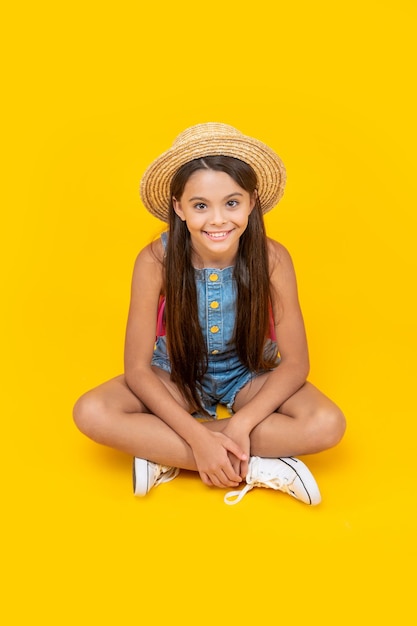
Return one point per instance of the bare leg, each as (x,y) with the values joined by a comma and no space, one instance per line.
(306,423)
(112,415)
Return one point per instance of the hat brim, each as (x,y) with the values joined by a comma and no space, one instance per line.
(269,169)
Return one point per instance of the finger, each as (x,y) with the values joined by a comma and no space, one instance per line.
(236,464)
(222,478)
(232,474)
(216,481)
(235,449)
(211,479)
(227,482)
(206,479)
(244,466)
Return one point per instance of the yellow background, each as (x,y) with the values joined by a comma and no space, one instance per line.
(92,93)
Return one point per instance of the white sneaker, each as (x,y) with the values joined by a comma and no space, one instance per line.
(288,474)
(147,475)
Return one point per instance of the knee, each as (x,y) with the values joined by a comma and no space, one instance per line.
(88,413)
(330,426)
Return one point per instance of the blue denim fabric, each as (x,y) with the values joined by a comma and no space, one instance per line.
(226,375)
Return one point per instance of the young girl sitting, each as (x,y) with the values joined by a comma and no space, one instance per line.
(222,300)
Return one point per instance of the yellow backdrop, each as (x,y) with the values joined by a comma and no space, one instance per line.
(93,91)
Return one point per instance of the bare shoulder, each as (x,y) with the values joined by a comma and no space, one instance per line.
(279,258)
(149,265)
(283,282)
(152,254)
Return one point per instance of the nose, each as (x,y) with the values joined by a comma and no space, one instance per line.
(217,217)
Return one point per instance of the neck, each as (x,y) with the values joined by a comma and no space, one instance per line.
(219,261)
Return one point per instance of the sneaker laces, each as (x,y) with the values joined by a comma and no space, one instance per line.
(263,479)
(166,473)
(233,497)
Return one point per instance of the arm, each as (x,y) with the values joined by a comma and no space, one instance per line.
(293,369)
(210,449)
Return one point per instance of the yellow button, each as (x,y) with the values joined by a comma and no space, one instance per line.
(214,277)
(214,329)
(214,305)
(215,352)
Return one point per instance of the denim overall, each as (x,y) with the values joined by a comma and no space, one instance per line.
(226,375)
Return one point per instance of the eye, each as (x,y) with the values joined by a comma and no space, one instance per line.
(200,206)
(232,203)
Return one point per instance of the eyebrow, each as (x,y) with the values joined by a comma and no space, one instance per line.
(230,195)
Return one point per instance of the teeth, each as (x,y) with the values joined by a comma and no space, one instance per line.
(215,235)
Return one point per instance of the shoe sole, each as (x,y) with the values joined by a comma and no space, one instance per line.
(306,479)
(140,476)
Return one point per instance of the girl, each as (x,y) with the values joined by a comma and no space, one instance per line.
(223,299)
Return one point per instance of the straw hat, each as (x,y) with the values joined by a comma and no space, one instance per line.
(212,139)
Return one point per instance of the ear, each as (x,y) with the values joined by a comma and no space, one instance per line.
(177,208)
(253,199)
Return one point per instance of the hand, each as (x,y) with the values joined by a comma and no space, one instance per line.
(212,454)
(241,436)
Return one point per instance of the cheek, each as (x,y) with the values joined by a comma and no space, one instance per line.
(247,214)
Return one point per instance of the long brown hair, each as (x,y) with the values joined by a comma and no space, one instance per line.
(186,345)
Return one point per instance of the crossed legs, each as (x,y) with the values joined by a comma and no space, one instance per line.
(112,415)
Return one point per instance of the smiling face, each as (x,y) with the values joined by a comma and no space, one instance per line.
(216,210)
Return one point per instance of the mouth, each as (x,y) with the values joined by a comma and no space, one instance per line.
(217,235)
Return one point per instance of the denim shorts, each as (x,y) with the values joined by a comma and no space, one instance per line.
(225,377)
